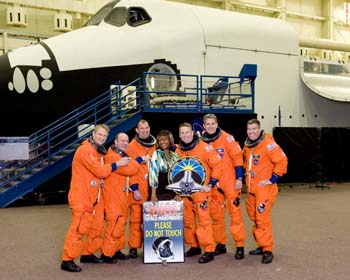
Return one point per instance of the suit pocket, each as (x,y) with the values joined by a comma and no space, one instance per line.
(85,223)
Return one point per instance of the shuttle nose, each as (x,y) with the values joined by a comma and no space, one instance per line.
(27,84)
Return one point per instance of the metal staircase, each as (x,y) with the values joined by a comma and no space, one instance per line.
(52,148)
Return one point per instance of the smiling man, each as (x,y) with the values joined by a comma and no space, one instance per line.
(264,163)
(143,145)
(196,206)
(227,193)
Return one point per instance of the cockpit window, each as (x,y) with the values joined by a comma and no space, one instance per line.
(117,16)
(102,13)
(138,16)
(134,16)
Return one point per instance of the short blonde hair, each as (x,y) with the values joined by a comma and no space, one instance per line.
(104,126)
(185,124)
(210,116)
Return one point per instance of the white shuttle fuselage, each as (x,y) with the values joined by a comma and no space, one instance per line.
(45,81)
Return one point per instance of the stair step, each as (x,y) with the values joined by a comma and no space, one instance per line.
(13,183)
(11,171)
(35,170)
(43,164)
(25,176)
(20,169)
(56,158)
(116,122)
(68,151)
(8,171)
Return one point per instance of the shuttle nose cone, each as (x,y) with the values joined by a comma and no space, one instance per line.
(26,86)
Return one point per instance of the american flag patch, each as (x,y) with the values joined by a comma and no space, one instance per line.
(230,139)
(271,146)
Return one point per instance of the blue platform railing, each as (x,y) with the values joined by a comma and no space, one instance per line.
(198,93)
(51,149)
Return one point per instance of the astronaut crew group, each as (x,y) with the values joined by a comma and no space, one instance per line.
(108,188)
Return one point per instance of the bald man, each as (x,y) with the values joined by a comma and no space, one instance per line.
(116,200)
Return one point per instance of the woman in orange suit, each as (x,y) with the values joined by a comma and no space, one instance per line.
(86,201)
(264,163)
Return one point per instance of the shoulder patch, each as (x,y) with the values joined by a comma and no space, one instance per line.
(230,139)
(271,146)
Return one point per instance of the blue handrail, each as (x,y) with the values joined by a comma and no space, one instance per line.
(52,140)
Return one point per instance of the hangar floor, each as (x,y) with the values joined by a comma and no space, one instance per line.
(311,230)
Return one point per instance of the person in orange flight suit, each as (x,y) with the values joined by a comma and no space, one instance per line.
(115,195)
(86,200)
(143,144)
(227,192)
(264,163)
(197,205)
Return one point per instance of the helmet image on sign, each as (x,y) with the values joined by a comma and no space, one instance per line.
(186,176)
(163,246)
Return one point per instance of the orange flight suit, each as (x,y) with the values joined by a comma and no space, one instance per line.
(136,149)
(231,154)
(200,235)
(86,202)
(115,193)
(265,160)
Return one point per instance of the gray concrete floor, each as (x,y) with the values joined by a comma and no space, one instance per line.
(311,228)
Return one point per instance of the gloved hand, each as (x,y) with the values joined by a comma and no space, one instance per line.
(206,188)
(137,195)
(123,161)
(177,198)
(154,198)
(238,184)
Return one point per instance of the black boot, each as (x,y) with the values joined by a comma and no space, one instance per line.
(70,266)
(133,253)
(257,251)
(110,260)
(120,256)
(193,251)
(267,257)
(239,253)
(90,259)
(206,257)
(220,249)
